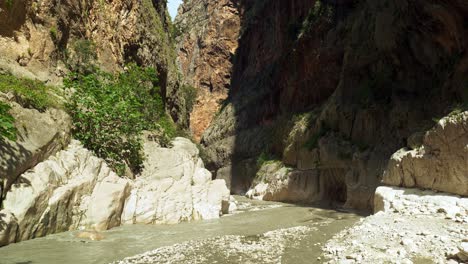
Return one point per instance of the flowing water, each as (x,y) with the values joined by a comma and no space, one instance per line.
(260,232)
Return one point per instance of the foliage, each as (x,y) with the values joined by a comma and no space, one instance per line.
(176,31)
(7,126)
(81,57)
(9,4)
(110,111)
(190,96)
(265,157)
(312,142)
(53,33)
(31,93)
(320,11)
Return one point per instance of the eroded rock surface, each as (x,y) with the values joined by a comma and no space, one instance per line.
(173,187)
(209,32)
(76,190)
(39,135)
(439,163)
(345,64)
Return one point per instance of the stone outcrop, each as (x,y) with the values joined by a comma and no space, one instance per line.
(275,182)
(73,190)
(367,74)
(440,162)
(46,39)
(39,135)
(173,187)
(208,38)
(70,190)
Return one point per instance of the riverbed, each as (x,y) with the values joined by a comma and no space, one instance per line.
(260,232)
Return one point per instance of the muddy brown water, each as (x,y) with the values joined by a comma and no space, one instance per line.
(253,220)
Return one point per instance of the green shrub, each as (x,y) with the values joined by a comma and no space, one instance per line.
(7,126)
(9,4)
(81,57)
(53,33)
(312,142)
(265,157)
(110,112)
(31,93)
(320,12)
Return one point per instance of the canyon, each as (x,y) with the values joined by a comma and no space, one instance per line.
(308,131)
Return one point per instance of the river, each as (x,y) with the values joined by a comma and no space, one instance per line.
(260,232)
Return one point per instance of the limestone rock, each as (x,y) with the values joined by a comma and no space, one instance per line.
(463,252)
(53,196)
(8,228)
(408,201)
(40,135)
(206,46)
(106,203)
(275,182)
(441,163)
(174,187)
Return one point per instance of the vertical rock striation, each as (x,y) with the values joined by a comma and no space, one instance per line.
(207,40)
(338,87)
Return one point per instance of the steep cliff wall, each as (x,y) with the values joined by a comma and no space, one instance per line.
(208,37)
(336,87)
(42,39)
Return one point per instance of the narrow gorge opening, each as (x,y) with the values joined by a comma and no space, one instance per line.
(333,187)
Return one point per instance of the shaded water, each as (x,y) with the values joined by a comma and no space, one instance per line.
(261,232)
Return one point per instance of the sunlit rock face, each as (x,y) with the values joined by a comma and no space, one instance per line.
(207,40)
(74,190)
(338,87)
(439,163)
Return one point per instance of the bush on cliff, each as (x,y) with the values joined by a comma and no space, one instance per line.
(29,93)
(7,126)
(110,111)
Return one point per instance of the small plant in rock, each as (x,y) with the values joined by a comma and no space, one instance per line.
(7,123)
(9,4)
(53,33)
(81,57)
(264,158)
(110,111)
(312,142)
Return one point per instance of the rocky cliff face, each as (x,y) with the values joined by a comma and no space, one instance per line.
(208,39)
(44,39)
(336,87)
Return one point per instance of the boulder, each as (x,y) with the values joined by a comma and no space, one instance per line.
(71,190)
(441,163)
(275,182)
(40,135)
(174,186)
